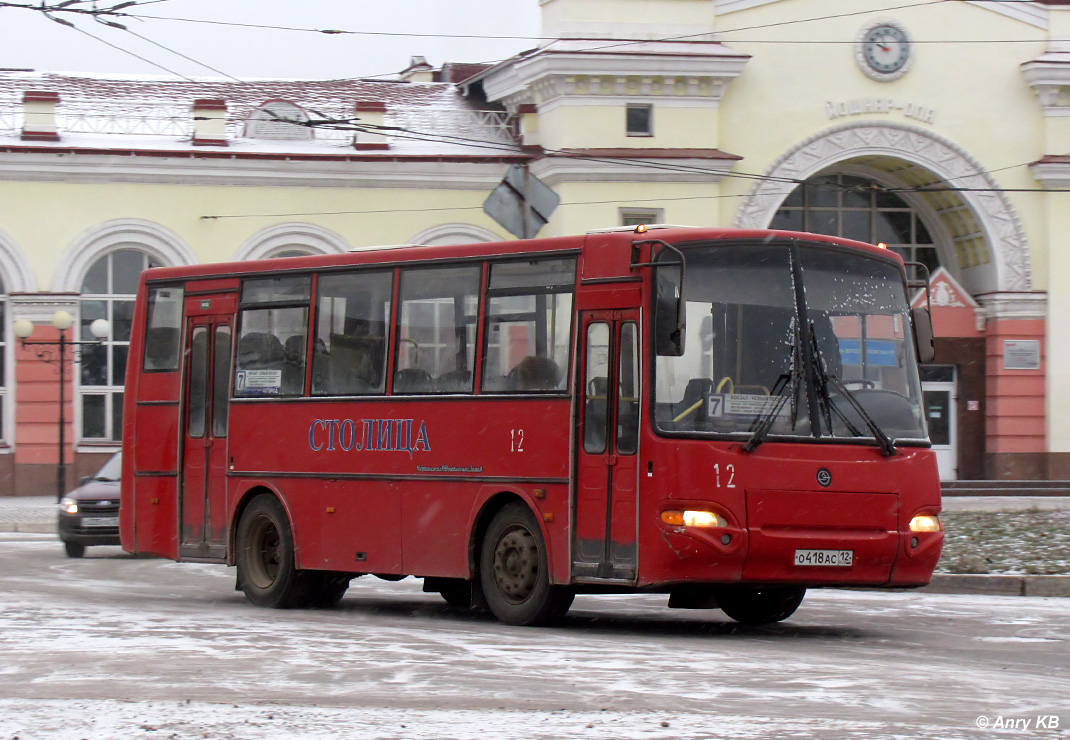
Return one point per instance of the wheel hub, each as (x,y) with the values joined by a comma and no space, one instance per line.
(516,565)
(264,545)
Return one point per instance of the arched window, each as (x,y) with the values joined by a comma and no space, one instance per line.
(3,364)
(858,208)
(279,120)
(108,291)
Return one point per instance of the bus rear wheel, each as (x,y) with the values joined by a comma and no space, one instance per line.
(514,572)
(265,555)
(760,604)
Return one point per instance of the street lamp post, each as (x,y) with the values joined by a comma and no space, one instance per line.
(55,353)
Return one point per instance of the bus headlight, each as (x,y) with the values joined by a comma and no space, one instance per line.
(926,523)
(692,518)
(68,505)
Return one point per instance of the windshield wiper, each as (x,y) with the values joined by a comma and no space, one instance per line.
(823,380)
(883,440)
(788,380)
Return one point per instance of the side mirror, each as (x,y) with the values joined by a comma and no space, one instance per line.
(923,334)
(669,328)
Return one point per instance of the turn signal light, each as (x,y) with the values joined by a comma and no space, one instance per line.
(693,519)
(926,523)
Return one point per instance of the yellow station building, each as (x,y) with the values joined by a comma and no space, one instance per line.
(940,129)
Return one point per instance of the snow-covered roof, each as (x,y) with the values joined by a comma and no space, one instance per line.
(431,118)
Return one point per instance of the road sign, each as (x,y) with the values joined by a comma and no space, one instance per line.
(506,202)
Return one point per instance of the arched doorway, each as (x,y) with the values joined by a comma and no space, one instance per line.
(845,202)
(927,198)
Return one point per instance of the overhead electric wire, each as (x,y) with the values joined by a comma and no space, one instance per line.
(180,54)
(131,53)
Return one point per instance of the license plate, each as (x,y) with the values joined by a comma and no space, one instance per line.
(837,558)
(100,521)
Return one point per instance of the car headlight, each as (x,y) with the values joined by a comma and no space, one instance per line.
(68,505)
(926,523)
(693,518)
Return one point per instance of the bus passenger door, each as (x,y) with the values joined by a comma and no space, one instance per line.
(204,454)
(604,538)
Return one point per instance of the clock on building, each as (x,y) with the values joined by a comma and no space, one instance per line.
(884,50)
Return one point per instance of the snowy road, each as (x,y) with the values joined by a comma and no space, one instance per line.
(119,647)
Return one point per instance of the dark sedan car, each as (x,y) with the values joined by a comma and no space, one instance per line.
(89,515)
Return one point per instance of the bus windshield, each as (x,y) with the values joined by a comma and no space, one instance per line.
(792,340)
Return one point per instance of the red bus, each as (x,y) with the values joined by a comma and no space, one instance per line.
(727,417)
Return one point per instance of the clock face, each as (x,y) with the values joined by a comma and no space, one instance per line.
(884,51)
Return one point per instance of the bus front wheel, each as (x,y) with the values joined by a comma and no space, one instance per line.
(514,572)
(265,555)
(760,604)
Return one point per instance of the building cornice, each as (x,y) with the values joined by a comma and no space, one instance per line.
(614,165)
(1014,305)
(643,71)
(1049,76)
(221,169)
(1052,171)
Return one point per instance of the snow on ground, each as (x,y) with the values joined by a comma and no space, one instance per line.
(114,646)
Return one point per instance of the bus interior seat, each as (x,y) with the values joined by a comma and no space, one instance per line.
(412,380)
(260,351)
(692,407)
(293,369)
(535,373)
(352,365)
(455,381)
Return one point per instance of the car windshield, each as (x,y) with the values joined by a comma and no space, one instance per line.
(112,470)
(769,325)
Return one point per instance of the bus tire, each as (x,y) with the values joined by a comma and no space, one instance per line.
(457,593)
(265,557)
(326,588)
(514,573)
(760,604)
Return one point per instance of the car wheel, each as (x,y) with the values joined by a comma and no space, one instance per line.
(74,549)
(514,571)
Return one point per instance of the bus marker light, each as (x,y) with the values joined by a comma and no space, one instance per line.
(926,523)
(693,519)
(539,493)
(330,509)
(547,516)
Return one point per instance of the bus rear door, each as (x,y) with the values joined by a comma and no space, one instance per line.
(209,337)
(604,540)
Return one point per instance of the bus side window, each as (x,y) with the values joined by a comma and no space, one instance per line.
(272,340)
(163,335)
(596,389)
(436,343)
(529,323)
(628,396)
(352,314)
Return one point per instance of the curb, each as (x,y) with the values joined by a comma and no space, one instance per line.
(28,527)
(942,583)
(998,585)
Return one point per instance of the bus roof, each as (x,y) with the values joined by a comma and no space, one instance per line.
(396,254)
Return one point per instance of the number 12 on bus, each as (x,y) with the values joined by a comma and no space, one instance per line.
(726,417)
